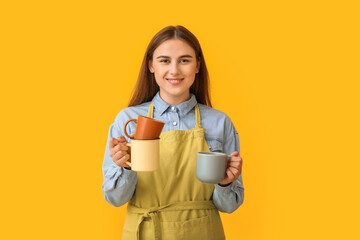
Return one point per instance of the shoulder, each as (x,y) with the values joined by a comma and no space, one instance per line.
(213,114)
(218,124)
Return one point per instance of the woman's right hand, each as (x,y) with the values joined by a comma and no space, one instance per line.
(119,152)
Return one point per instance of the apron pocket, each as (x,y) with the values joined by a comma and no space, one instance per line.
(207,228)
(195,228)
(197,224)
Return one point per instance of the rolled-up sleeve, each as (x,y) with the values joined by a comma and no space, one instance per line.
(229,198)
(119,183)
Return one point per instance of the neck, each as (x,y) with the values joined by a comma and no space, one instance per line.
(174,100)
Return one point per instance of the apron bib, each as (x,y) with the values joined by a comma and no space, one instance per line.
(171,203)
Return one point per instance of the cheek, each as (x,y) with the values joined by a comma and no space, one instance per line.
(159,77)
(191,75)
(191,70)
(159,71)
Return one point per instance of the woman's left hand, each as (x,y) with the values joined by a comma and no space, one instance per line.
(233,170)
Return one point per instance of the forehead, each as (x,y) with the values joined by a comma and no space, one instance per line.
(174,47)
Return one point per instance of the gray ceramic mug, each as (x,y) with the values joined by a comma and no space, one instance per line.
(211,166)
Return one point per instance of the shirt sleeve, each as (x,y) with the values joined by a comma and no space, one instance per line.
(119,183)
(228,199)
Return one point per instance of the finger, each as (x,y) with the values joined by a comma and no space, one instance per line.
(117,148)
(117,156)
(235,172)
(235,163)
(236,159)
(112,142)
(114,150)
(229,174)
(122,139)
(123,147)
(121,161)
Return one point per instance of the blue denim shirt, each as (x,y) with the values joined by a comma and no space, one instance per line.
(119,183)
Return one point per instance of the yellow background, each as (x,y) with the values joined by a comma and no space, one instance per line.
(286,72)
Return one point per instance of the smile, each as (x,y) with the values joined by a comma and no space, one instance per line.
(174,81)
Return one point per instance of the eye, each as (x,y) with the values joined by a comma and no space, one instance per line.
(164,60)
(184,60)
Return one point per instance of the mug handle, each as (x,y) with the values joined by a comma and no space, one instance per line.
(129,145)
(132,136)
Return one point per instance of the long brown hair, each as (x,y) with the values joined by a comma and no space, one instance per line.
(146,86)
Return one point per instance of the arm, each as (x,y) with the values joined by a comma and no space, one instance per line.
(228,198)
(119,183)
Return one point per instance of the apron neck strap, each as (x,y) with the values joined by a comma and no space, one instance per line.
(197,114)
(151,111)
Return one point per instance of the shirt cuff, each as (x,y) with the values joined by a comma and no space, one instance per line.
(115,172)
(224,190)
(126,172)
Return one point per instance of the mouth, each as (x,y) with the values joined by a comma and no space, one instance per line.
(174,81)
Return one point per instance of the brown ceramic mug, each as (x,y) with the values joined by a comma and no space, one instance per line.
(146,128)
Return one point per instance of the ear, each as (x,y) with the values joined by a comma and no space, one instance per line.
(198,65)
(151,69)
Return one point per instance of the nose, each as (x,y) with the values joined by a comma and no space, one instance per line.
(174,69)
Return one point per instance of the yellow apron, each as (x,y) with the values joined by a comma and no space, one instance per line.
(171,203)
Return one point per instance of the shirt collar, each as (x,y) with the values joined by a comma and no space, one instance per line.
(161,106)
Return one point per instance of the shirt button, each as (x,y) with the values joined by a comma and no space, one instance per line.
(173,108)
(174,123)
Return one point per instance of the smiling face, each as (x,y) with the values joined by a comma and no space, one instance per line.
(174,65)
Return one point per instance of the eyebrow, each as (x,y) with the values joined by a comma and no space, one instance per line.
(182,56)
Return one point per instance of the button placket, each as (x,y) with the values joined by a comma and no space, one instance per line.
(175,120)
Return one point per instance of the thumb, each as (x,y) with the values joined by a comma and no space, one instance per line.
(236,153)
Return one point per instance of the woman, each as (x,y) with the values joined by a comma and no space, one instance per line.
(171,203)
